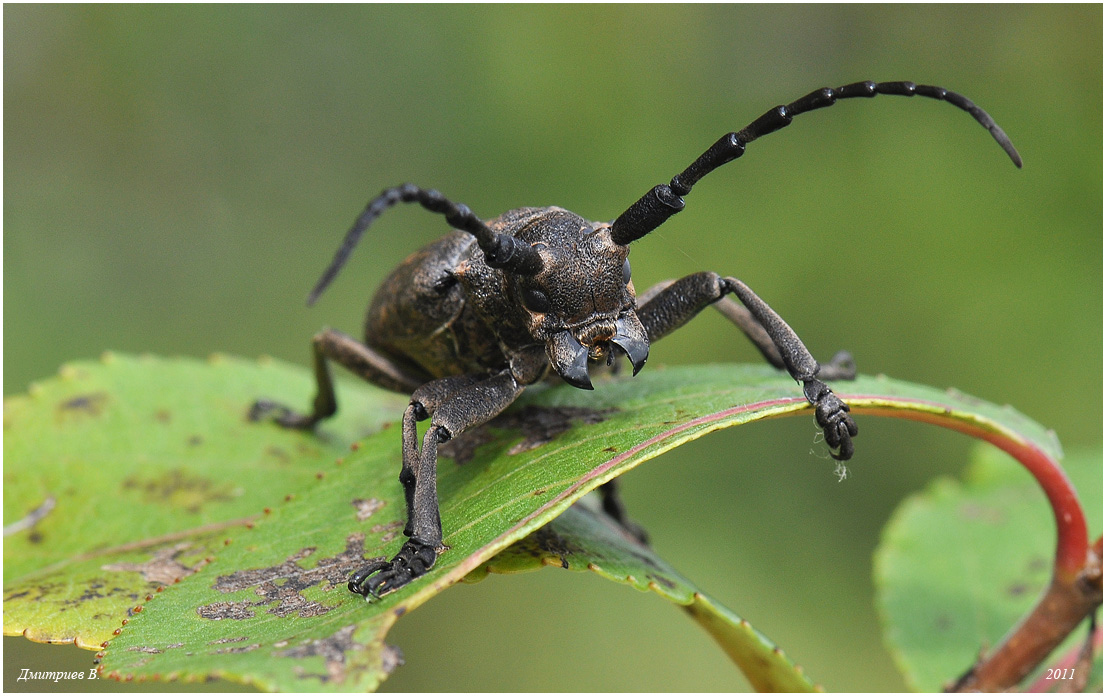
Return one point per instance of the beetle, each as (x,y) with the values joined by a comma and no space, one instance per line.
(468,322)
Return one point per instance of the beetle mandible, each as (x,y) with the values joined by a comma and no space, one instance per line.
(468,322)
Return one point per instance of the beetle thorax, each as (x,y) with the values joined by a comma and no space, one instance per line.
(581,304)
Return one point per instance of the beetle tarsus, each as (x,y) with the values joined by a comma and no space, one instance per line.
(280,414)
(832,416)
(381,577)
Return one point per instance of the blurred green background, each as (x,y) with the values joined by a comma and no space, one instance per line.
(175,179)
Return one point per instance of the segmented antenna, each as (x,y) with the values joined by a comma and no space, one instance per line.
(665,200)
(500,250)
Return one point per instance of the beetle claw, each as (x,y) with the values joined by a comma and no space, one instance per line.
(381,577)
(264,409)
(832,416)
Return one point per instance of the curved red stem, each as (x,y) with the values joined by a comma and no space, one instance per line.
(1076,587)
(1071,524)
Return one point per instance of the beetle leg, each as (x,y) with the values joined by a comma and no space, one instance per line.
(453,404)
(424,401)
(355,356)
(675,305)
(840,366)
(616,510)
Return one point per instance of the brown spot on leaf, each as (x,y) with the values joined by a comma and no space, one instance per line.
(541,425)
(1017,589)
(179,488)
(645,559)
(366,508)
(91,405)
(462,448)
(163,567)
(163,416)
(144,649)
(195,441)
(239,639)
(332,649)
(88,594)
(390,658)
(281,586)
(226,610)
(278,454)
(389,530)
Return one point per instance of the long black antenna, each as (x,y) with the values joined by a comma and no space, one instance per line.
(500,250)
(664,201)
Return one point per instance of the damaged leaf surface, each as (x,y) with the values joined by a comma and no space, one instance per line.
(146,463)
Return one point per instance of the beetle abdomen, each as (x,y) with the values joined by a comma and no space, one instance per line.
(414,314)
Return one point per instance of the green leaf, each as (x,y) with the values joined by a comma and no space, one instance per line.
(959,564)
(583,538)
(147,463)
(265,601)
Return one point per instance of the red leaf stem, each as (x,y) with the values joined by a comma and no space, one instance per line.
(1071,524)
(1076,587)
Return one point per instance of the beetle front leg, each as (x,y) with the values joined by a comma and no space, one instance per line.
(840,366)
(453,404)
(674,305)
(424,402)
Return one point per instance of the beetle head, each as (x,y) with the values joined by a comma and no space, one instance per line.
(581,303)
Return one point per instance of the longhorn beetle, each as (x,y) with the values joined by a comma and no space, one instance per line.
(469,321)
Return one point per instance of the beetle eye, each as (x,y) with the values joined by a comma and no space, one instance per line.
(626,272)
(535,300)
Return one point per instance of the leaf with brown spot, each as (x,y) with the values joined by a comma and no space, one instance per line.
(959,563)
(279,578)
(141,459)
(99,588)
